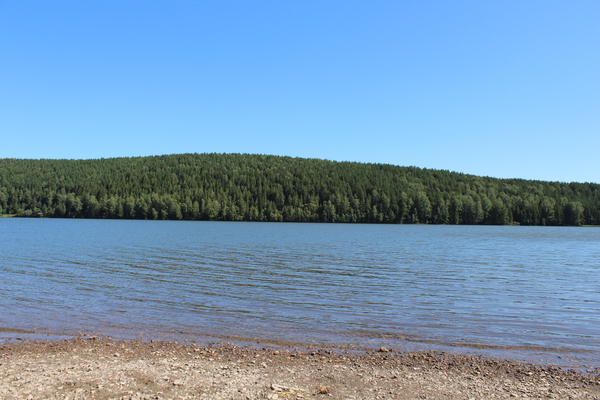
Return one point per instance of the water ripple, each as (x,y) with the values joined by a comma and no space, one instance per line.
(490,287)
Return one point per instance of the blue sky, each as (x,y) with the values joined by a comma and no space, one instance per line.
(496,88)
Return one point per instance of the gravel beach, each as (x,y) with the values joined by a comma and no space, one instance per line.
(99,368)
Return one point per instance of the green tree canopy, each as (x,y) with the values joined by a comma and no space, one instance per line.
(244,187)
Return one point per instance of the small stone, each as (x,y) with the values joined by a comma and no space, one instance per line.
(383,349)
(178,382)
(323,390)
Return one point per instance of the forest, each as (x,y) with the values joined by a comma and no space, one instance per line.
(246,187)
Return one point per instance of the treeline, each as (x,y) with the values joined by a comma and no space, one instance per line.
(243,187)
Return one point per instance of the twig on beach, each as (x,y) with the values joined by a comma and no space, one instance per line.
(281,388)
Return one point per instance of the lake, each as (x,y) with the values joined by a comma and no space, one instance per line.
(523,293)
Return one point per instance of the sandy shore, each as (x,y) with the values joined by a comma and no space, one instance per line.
(102,369)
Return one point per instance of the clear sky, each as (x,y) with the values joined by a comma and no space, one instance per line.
(508,89)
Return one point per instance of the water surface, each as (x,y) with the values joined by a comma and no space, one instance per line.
(527,293)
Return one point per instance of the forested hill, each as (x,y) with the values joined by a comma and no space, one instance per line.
(244,187)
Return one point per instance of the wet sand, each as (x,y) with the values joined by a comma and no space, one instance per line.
(98,368)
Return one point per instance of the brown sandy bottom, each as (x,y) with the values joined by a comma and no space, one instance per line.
(96,368)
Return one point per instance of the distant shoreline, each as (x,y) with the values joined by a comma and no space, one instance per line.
(299,222)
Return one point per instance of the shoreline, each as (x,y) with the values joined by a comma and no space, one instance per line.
(579,359)
(101,368)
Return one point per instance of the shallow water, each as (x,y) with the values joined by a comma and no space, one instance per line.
(527,293)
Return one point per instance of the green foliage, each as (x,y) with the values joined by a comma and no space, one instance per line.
(243,187)
(573,213)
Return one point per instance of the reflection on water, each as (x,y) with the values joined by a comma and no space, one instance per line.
(531,291)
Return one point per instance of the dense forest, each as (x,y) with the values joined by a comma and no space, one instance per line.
(244,187)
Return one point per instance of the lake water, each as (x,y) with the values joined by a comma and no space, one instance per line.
(525,293)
